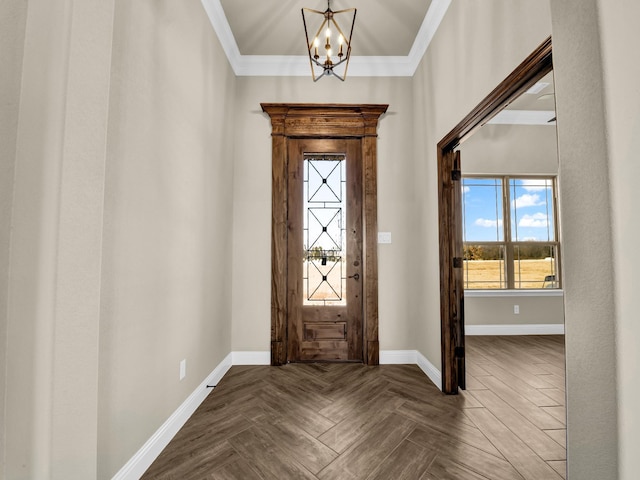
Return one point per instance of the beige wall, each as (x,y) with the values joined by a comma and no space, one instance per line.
(167,235)
(477,45)
(12,30)
(252,201)
(121,227)
(620,37)
(511,149)
(53,291)
(498,310)
(597,140)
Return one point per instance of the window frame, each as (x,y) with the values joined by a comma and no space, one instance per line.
(507,244)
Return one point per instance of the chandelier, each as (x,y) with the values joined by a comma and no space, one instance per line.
(336,51)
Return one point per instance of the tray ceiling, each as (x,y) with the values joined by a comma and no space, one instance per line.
(266,37)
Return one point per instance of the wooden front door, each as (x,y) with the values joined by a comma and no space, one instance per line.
(324,250)
(338,129)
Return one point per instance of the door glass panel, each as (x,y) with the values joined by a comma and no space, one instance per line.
(324,210)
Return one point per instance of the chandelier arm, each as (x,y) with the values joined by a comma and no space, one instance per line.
(353,22)
(304,22)
(340,62)
(312,10)
(348,57)
(315,79)
(343,11)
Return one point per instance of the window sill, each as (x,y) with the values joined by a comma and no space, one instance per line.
(540,292)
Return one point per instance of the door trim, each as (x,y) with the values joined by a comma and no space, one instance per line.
(297,120)
(534,67)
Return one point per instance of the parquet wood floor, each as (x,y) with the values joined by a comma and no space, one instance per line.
(350,421)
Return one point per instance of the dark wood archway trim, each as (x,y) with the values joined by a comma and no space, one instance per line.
(537,65)
(296,120)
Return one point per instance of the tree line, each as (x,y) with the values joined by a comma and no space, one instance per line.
(495,252)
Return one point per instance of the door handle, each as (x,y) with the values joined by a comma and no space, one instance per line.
(355,276)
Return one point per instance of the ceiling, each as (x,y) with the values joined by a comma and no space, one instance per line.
(534,107)
(266,37)
(270,27)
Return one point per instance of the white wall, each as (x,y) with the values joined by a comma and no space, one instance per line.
(252,201)
(477,45)
(166,278)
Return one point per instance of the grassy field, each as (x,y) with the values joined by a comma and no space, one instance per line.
(478,274)
(490,273)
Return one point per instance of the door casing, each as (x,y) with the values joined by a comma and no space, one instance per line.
(296,120)
(533,68)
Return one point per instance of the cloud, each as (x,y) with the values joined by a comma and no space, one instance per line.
(466,190)
(483,222)
(537,220)
(528,200)
(535,185)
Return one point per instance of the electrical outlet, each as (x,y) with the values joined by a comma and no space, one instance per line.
(183,368)
(516,309)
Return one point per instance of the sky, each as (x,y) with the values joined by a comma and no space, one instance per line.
(530,203)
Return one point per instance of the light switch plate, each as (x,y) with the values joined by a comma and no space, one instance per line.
(384,237)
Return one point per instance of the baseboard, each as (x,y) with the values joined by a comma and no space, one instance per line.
(398,357)
(541,329)
(412,357)
(251,358)
(429,369)
(141,461)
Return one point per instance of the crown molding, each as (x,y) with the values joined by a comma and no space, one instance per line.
(298,65)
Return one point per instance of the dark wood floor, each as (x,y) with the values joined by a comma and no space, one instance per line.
(349,421)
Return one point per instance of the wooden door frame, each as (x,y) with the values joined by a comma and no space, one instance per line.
(297,120)
(534,67)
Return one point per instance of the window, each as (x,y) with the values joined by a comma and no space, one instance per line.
(510,233)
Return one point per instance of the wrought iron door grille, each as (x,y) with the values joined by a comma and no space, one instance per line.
(324,272)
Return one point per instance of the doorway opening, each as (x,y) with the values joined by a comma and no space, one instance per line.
(532,69)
